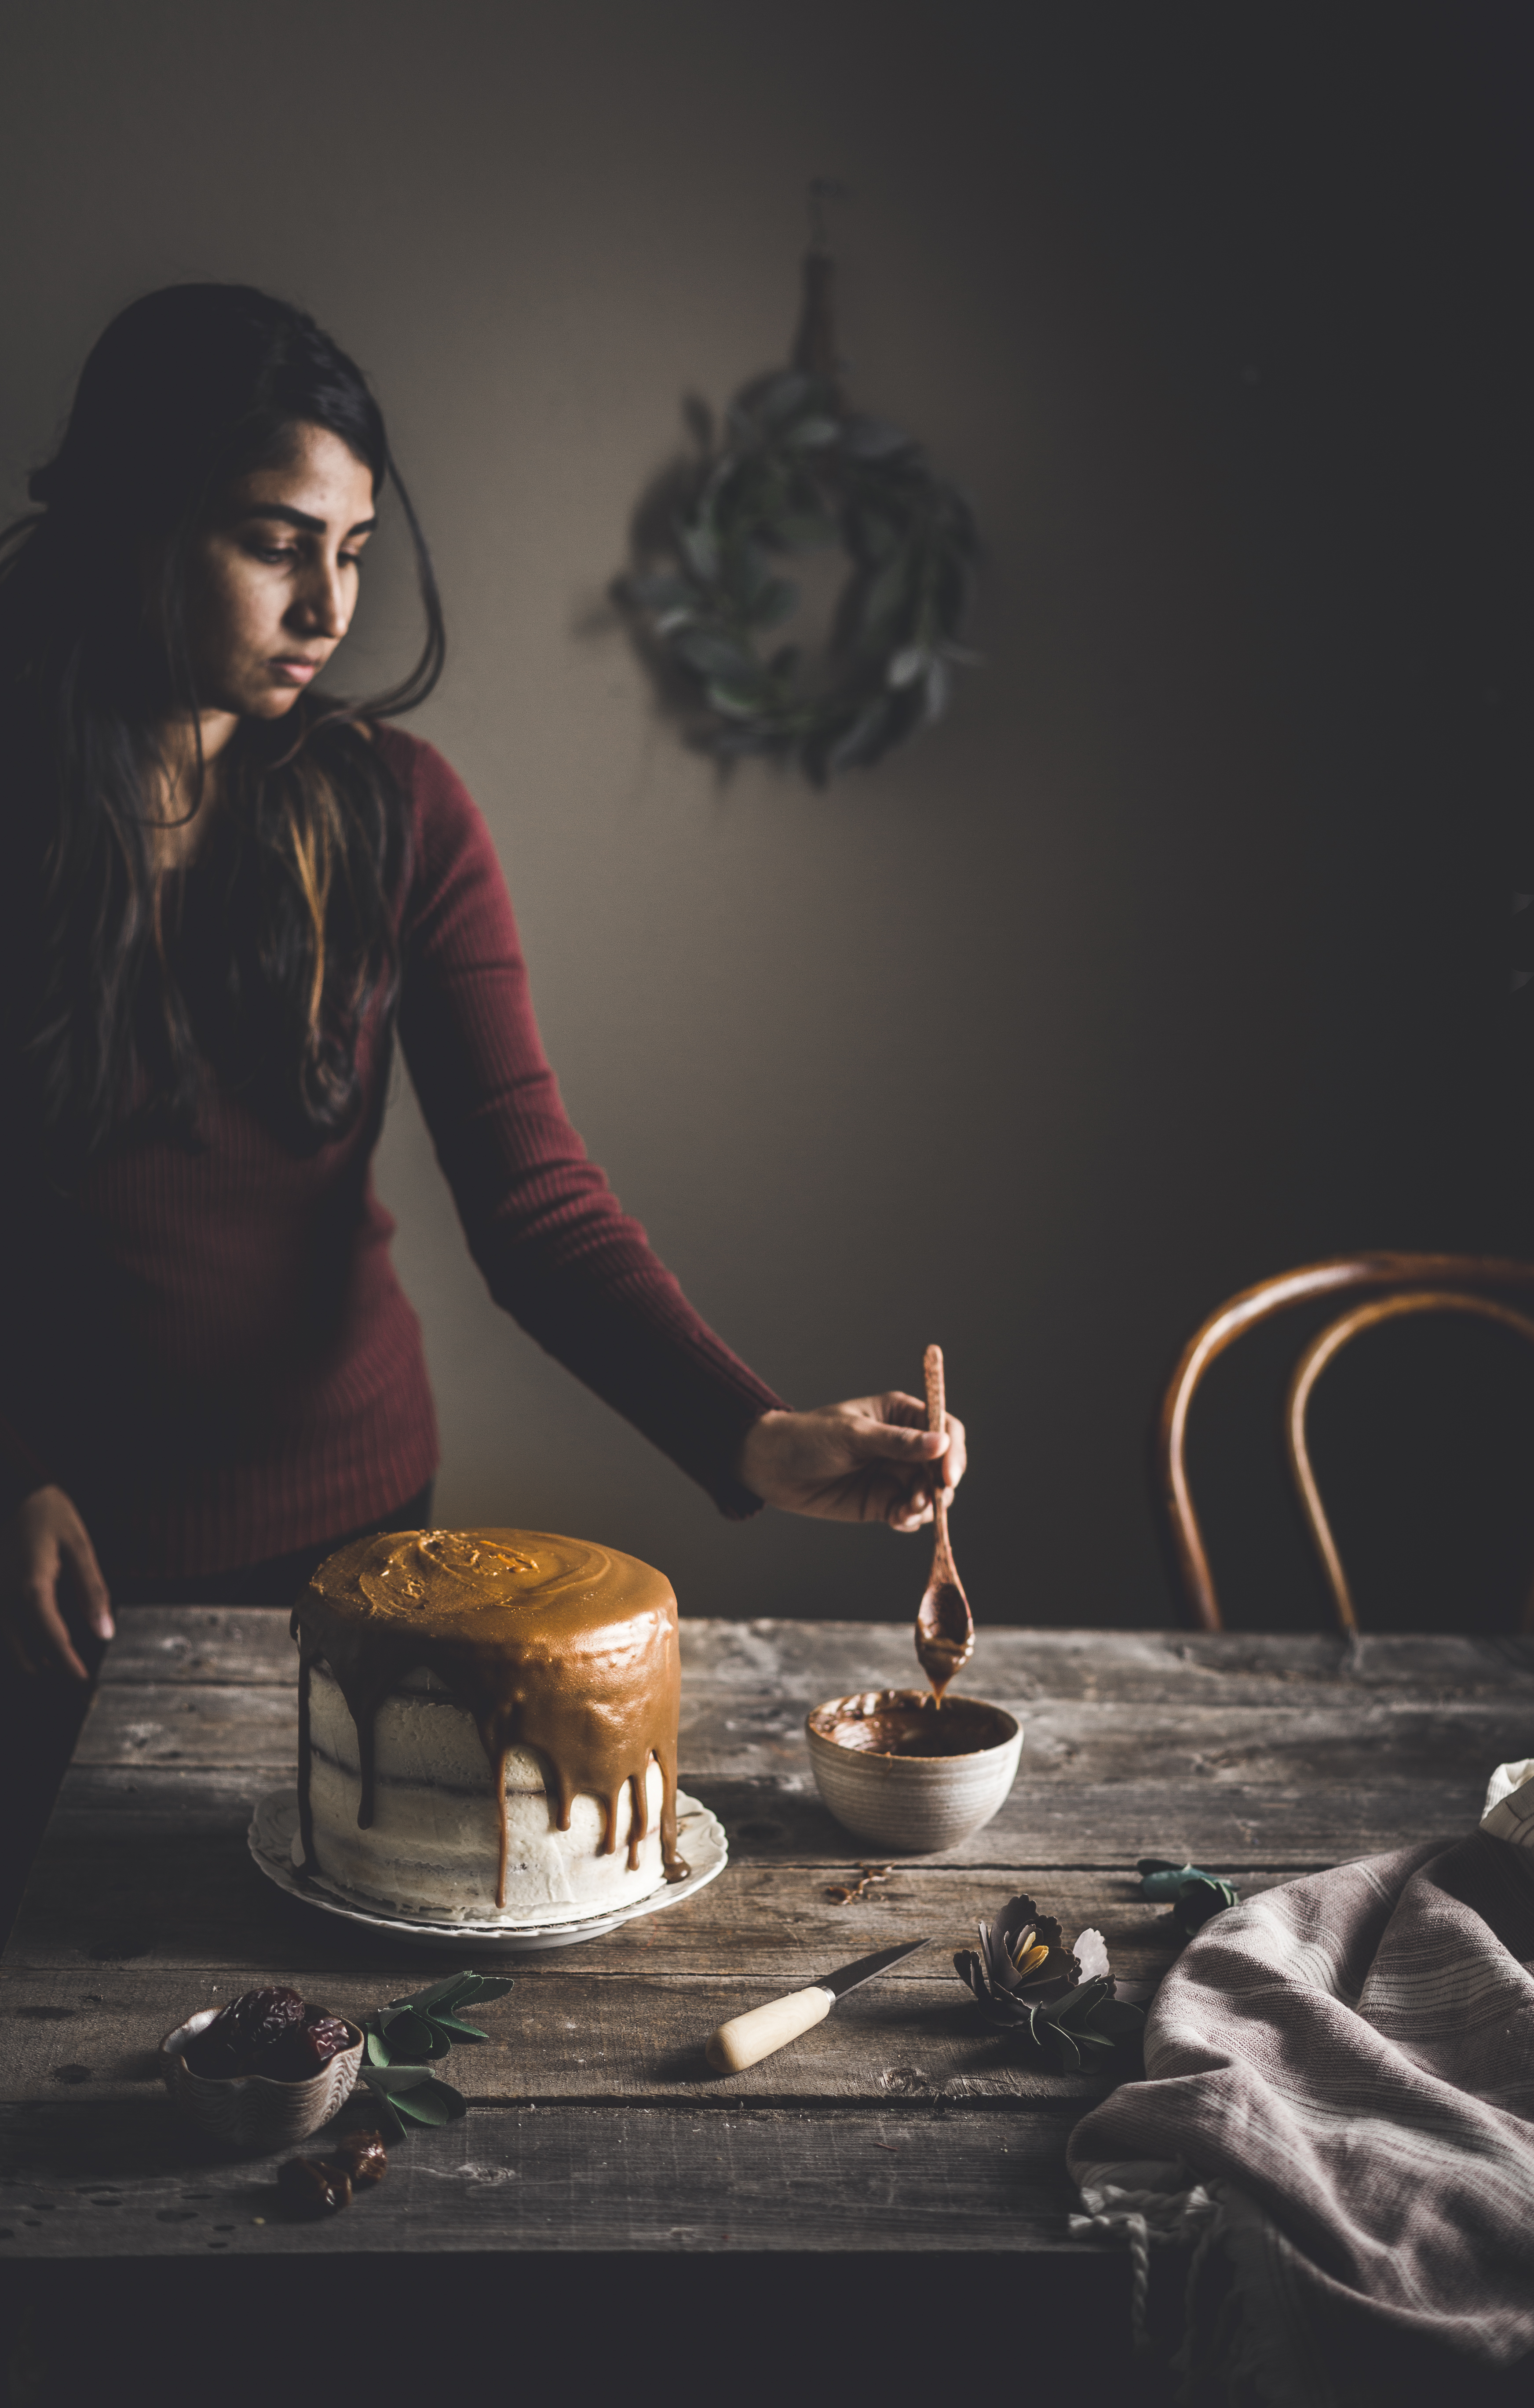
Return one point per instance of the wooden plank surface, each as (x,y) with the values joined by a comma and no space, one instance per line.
(128,2181)
(132,1843)
(563,2037)
(1098,1786)
(671,1978)
(161,1897)
(1246,1752)
(900,2123)
(1326,1738)
(809,1661)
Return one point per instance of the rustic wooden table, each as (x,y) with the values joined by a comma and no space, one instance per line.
(900,2125)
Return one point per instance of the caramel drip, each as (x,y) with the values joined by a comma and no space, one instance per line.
(638,1815)
(549,1644)
(677,1867)
(940,1656)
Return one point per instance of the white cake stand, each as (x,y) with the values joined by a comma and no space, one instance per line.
(273,1831)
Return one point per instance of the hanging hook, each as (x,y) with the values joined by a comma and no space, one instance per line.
(823,190)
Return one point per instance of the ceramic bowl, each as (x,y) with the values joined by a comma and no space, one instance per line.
(247,2111)
(872,1762)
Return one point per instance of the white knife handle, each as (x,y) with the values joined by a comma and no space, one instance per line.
(745,2040)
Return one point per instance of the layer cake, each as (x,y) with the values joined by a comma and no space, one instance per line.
(488,1726)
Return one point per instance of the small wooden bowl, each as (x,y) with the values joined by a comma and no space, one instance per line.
(874,1763)
(249,2111)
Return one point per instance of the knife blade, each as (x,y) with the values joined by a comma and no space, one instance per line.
(745,2040)
(863,1969)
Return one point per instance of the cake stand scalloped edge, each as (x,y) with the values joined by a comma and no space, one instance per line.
(274,1825)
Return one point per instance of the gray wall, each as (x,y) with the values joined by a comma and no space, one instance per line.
(1106,997)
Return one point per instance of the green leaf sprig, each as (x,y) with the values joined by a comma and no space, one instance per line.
(403,2041)
(1196,1897)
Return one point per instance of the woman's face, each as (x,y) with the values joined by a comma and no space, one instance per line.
(274,578)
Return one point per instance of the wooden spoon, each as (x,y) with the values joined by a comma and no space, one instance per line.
(945,1627)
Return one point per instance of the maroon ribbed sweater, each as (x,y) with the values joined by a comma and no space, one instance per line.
(209,1350)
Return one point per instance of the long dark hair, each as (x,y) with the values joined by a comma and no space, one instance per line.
(118,998)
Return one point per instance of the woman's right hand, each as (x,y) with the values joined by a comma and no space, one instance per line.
(49,1577)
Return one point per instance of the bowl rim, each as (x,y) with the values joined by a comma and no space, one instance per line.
(923,1765)
(173,2054)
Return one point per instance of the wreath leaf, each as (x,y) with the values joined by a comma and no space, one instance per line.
(799,473)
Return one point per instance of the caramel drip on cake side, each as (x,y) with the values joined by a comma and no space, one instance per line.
(550,1643)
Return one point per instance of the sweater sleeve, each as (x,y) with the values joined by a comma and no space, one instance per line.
(555,1247)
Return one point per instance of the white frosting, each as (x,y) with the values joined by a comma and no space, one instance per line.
(434,1843)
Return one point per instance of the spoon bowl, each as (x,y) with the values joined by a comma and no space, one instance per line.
(945,1630)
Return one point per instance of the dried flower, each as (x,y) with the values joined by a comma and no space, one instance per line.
(1022,1960)
(843,1893)
(1026,1980)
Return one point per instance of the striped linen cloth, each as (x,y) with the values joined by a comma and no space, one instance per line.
(1338,2114)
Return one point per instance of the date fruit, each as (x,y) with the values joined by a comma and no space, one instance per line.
(269,2033)
(247,2026)
(314,2187)
(362,2154)
(308,2048)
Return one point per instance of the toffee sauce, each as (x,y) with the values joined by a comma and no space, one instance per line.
(939,1657)
(904,1722)
(549,1644)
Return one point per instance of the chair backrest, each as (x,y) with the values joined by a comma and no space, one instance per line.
(1398,1285)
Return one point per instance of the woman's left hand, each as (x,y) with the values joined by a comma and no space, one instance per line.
(871,1459)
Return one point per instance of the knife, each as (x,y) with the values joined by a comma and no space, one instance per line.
(745,2040)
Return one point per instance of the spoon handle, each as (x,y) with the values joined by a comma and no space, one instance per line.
(937,1412)
(937,1419)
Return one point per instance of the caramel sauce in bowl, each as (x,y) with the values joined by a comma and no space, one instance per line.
(911,1776)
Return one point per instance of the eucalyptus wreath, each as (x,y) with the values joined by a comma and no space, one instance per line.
(798,472)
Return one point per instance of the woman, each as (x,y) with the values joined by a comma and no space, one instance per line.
(226,896)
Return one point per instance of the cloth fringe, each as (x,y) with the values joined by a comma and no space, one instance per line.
(1139,2218)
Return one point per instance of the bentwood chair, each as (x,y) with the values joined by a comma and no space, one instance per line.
(1394,1285)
